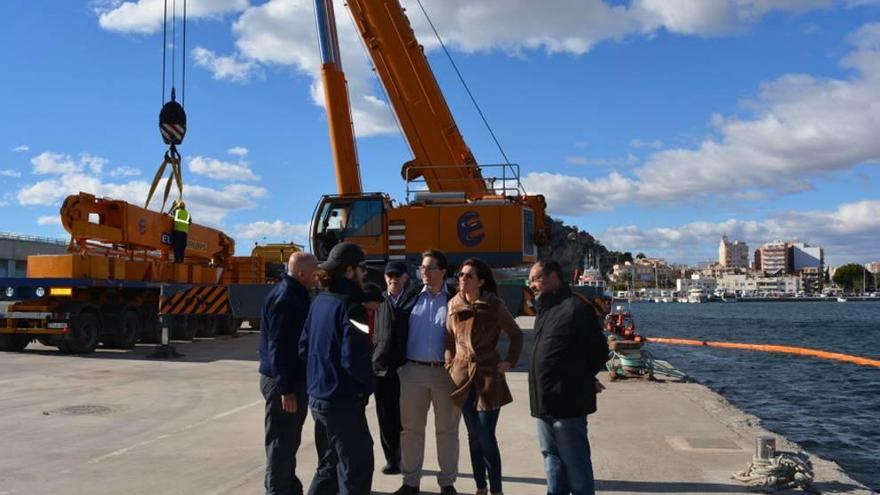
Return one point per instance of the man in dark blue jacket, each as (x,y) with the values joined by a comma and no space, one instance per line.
(282,372)
(336,346)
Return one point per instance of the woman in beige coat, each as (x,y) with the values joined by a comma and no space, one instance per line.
(476,318)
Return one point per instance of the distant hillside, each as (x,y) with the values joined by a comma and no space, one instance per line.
(569,245)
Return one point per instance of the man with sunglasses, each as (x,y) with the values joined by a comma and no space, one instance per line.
(387,382)
(569,350)
(424,383)
(335,344)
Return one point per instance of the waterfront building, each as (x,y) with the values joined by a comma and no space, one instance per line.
(812,279)
(645,272)
(873,267)
(15,248)
(774,258)
(737,283)
(733,254)
(750,285)
(806,256)
(697,281)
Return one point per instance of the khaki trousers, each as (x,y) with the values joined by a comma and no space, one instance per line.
(420,388)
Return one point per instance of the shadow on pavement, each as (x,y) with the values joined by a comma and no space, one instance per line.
(223,348)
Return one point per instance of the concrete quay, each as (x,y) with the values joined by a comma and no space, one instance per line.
(120,423)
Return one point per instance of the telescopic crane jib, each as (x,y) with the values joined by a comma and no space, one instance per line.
(452,204)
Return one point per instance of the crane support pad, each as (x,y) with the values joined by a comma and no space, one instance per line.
(213,300)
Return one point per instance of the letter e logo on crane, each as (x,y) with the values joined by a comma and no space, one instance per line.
(470,229)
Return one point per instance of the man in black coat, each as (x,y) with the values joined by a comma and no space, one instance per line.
(282,372)
(569,350)
(387,383)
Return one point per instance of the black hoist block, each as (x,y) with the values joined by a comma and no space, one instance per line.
(172,122)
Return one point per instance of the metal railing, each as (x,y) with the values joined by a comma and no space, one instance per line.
(11,236)
(505,183)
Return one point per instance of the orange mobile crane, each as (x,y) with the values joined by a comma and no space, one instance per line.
(451,204)
(117,283)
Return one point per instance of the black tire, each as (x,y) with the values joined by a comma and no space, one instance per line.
(151,330)
(14,343)
(83,338)
(255,325)
(127,333)
(223,325)
(183,328)
(207,327)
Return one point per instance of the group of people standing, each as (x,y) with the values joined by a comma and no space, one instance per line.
(416,347)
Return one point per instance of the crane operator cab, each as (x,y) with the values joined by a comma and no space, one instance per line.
(360,219)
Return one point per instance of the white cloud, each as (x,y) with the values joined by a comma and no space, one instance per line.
(230,68)
(94,163)
(282,32)
(713,18)
(277,230)
(221,170)
(49,220)
(21,148)
(801,128)
(124,172)
(49,163)
(209,206)
(54,163)
(630,159)
(145,16)
(10,173)
(848,234)
(238,151)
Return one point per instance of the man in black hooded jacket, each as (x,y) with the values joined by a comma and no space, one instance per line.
(569,350)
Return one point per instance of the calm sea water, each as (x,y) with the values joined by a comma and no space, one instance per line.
(831,409)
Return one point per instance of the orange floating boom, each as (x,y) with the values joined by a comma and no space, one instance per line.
(803,351)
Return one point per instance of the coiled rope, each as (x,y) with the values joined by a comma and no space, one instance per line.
(785,470)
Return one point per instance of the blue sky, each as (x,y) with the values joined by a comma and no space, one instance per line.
(654,125)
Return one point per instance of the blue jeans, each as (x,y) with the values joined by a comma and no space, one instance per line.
(566,451)
(485,456)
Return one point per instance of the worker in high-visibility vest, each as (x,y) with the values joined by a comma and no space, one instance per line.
(180,228)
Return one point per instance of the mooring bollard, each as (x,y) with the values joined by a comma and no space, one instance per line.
(765,447)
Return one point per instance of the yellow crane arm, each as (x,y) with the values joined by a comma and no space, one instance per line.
(126,227)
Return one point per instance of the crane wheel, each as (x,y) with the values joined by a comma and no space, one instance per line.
(84,334)
(182,328)
(128,332)
(222,325)
(206,327)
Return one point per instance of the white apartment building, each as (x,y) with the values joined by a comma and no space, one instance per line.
(806,256)
(747,284)
(697,281)
(733,254)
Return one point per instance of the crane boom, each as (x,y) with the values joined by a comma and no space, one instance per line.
(462,212)
(440,152)
(342,142)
